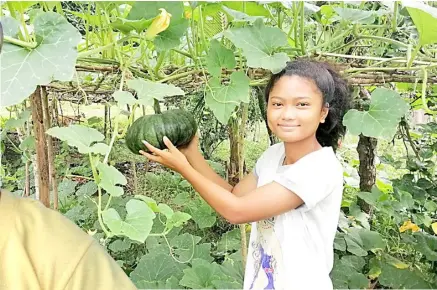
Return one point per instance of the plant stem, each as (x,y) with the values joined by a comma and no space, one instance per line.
(424,101)
(334,39)
(20,42)
(394,22)
(381,38)
(369,58)
(99,205)
(302,27)
(96,50)
(177,76)
(159,62)
(184,53)
(389,68)
(413,55)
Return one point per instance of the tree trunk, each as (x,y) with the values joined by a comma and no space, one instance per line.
(367,170)
(52,169)
(236,164)
(41,147)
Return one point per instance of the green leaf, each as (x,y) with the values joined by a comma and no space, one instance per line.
(427,245)
(219,57)
(358,281)
(230,241)
(238,16)
(149,201)
(222,100)
(148,90)
(186,248)
(124,98)
(250,8)
(89,188)
(425,19)
(203,214)
(355,243)
(355,15)
(385,112)
(339,242)
(178,219)
(109,178)
(201,275)
(156,267)
(170,38)
(395,262)
(150,9)
(120,245)
(259,43)
(77,136)
(28,143)
(138,222)
(126,25)
(371,240)
(353,261)
(19,122)
(11,26)
(165,210)
(401,278)
(430,206)
(67,187)
(53,59)
(100,148)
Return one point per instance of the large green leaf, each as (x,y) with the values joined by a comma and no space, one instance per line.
(170,38)
(79,136)
(355,15)
(138,222)
(186,248)
(53,59)
(249,8)
(150,9)
(126,25)
(155,268)
(259,43)
(88,188)
(230,241)
(346,275)
(148,90)
(382,118)
(202,274)
(425,19)
(110,177)
(222,100)
(202,214)
(401,278)
(219,57)
(427,245)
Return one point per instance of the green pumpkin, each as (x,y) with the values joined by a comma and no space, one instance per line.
(178,125)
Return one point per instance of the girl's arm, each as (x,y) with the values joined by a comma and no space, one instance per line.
(257,204)
(246,185)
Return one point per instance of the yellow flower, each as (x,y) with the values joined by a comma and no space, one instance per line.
(159,24)
(434,227)
(408,225)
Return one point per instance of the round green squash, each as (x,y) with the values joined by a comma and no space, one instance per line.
(178,125)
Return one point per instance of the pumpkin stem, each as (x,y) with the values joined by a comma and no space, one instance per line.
(156,107)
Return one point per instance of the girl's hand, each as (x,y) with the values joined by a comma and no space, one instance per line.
(192,148)
(173,158)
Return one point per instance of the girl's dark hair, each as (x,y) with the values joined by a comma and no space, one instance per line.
(335,90)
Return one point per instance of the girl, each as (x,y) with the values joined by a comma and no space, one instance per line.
(293,196)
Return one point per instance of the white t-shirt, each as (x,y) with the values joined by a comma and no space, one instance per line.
(295,249)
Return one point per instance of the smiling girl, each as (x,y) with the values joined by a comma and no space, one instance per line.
(293,196)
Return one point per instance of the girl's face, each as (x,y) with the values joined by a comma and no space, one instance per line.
(295,109)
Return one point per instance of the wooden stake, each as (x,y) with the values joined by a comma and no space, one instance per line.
(41,147)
